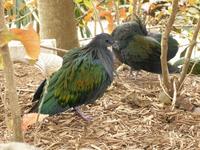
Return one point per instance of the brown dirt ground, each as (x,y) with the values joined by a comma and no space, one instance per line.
(129,116)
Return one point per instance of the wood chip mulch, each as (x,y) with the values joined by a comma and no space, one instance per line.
(129,116)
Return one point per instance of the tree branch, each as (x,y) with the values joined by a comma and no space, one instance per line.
(188,55)
(164,45)
(134,8)
(54,49)
(116,4)
(96,13)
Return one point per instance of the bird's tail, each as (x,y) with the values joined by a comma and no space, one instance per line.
(39,91)
(36,97)
(35,108)
(50,106)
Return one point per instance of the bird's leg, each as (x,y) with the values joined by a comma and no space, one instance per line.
(82,115)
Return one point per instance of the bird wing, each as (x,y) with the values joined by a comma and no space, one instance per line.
(172,44)
(143,48)
(75,83)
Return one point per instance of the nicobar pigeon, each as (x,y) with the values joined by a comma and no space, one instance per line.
(194,64)
(84,76)
(141,50)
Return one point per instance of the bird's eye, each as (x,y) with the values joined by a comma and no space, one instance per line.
(107,41)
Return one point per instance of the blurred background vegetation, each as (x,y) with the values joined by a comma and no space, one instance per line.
(155,12)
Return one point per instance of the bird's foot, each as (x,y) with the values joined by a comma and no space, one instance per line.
(82,115)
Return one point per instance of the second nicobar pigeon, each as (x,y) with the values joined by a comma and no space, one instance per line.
(194,64)
(84,76)
(141,50)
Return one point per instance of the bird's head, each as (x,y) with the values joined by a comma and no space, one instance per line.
(127,31)
(102,40)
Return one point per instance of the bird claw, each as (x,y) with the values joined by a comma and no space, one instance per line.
(82,115)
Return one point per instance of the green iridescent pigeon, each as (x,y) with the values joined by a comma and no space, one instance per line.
(84,76)
(194,64)
(141,50)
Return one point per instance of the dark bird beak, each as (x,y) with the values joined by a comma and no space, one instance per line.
(115,45)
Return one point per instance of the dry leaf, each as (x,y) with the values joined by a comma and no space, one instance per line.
(29,119)
(122,13)
(30,40)
(109,18)
(192,2)
(8,4)
(89,15)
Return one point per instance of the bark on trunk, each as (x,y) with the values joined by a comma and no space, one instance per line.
(57,21)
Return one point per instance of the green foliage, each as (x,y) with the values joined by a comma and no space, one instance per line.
(18,15)
(87,3)
(157,12)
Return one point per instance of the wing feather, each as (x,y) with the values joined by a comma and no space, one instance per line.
(143,48)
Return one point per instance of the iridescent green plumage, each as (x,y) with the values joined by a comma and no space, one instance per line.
(141,50)
(84,76)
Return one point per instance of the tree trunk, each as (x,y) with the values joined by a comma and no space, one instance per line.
(57,21)
(13,112)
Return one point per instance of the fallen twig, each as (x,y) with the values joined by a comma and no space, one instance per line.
(25,90)
(174,95)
